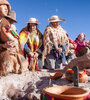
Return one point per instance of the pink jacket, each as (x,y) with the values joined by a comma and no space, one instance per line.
(80,45)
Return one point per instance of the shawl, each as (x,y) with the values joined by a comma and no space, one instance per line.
(33,39)
(54,36)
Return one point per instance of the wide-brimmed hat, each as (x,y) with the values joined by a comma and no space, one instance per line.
(5,2)
(55,18)
(32,20)
(12,15)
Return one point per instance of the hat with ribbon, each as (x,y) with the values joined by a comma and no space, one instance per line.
(32,20)
(55,18)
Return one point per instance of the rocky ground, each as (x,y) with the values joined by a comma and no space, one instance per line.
(29,85)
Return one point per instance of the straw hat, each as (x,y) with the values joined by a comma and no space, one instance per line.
(5,2)
(12,15)
(32,20)
(55,18)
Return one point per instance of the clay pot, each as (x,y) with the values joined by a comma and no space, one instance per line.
(56,75)
(64,93)
(82,76)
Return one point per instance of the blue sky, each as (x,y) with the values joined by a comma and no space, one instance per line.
(76,13)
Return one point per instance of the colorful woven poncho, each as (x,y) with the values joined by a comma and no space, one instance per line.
(53,36)
(33,39)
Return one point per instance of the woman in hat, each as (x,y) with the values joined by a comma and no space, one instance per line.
(10,58)
(55,44)
(31,39)
(82,46)
(4,10)
(4,54)
(9,31)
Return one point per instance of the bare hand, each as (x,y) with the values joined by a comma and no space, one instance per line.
(31,54)
(36,55)
(59,50)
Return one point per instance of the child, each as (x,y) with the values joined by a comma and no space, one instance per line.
(82,46)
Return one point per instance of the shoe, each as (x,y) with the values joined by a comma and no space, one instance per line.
(61,66)
(66,62)
(37,68)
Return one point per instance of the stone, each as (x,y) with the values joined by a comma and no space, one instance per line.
(82,62)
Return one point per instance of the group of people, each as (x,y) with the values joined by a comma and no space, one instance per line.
(10,58)
(32,50)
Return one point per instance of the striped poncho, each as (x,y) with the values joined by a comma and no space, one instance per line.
(54,36)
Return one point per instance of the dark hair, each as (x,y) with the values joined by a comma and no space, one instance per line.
(28,26)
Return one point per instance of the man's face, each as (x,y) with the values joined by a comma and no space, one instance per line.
(55,24)
(3,10)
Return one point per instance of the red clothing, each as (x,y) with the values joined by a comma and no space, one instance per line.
(80,45)
(72,42)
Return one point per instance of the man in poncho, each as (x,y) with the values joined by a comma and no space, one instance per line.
(55,44)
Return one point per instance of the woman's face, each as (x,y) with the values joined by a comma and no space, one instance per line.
(3,10)
(81,37)
(55,24)
(33,26)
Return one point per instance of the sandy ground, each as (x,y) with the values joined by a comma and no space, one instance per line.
(29,83)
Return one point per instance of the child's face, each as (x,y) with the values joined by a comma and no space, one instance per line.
(3,10)
(81,37)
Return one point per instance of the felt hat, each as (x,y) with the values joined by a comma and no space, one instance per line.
(5,2)
(32,20)
(12,15)
(55,18)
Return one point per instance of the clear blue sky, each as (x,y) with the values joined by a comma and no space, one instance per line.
(76,13)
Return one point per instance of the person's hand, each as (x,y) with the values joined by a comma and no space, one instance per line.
(59,50)
(89,46)
(36,54)
(31,54)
